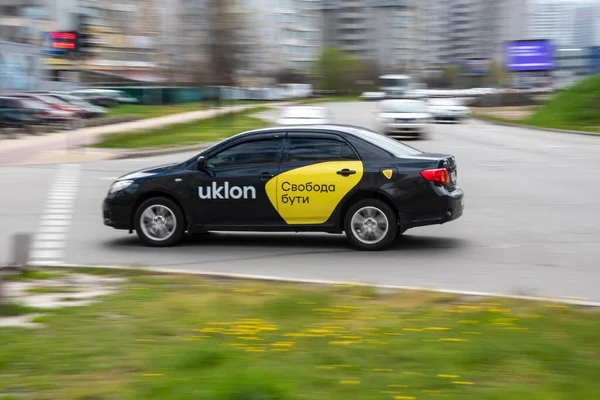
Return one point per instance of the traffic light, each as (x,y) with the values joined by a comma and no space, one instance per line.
(85,39)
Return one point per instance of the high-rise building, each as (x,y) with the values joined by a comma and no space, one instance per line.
(382,31)
(554,20)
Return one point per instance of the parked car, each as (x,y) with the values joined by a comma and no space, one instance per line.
(88,110)
(95,98)
(18,114)
(304,115)
(56,110)
(108,97)
(402,118)
(448,109)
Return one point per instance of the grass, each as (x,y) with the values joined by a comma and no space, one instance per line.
(49,290)
(12,309)
(34,275)
(576,108)
(332,99)
(207,130)
(150,111)
(181,337)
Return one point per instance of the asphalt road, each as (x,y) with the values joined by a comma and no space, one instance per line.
(531,224)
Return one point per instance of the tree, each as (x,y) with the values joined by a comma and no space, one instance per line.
(336,69)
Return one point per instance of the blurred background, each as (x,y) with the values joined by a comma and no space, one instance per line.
(175,51)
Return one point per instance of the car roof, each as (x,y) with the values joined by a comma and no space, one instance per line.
(313,128)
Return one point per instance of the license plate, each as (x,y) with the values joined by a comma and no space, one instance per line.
(453,176)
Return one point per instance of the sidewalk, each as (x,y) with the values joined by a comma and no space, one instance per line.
(70,146)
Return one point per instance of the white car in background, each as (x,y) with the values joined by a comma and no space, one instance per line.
(304,115)
(403,118)
(448,109)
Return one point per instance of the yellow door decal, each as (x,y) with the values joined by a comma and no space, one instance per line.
(309,195)
(387,173)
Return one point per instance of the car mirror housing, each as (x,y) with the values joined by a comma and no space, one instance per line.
(201,163)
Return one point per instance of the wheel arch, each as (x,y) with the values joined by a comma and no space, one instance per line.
(363,195)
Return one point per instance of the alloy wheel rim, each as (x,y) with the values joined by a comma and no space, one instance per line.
(369,225)
(158,222)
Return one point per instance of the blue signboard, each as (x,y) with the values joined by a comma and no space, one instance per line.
(594,53)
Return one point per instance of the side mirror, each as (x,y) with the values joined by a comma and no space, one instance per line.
(201,163)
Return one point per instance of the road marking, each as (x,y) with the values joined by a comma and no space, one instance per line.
(50,240)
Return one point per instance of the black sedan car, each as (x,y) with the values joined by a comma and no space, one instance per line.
(320,178)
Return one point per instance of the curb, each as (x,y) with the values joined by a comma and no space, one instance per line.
(536,128)
(267,278)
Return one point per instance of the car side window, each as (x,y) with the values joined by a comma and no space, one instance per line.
(320,150)
(254,152)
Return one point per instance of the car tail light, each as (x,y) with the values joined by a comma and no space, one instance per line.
(439,175)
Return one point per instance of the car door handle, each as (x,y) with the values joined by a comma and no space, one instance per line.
(346,172)
(265,175)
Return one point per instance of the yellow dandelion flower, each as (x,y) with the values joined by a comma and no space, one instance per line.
(405,398)
(283,344)
(349,382)
(468,321)
(382,370)
(398,386)
(437,328)
(324,367)
(463,383)
(471,333)
(413,329)
(448,376)
(152,374)
(454,340)
(343,342)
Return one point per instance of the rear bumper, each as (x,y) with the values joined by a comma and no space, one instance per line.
(443,207)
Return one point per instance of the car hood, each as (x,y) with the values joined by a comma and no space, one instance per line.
(404,115)
(146,173)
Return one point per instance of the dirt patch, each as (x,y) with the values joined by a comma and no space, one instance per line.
(69,291)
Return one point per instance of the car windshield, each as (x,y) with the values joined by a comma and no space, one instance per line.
(403,107)
(49,99)
(29,103)
(398,149)
(304,112)
(393,82)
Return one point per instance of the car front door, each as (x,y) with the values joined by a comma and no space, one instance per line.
(230,190)
(317,171)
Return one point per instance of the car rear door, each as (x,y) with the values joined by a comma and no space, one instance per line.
(317,171)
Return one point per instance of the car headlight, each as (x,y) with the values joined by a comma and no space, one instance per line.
(119,185)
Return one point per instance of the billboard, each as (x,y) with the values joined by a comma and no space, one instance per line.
(529,55)
(594,57)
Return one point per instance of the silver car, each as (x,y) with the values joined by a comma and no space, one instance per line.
(448,109)
(403,118)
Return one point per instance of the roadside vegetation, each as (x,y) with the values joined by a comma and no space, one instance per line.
(151,111)
(178,337)
(207,130)
(575,108)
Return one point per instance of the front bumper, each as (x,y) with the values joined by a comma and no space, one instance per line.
(404,130)
(116,214)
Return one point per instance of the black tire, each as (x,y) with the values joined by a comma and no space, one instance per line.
(178,217)
(388,236)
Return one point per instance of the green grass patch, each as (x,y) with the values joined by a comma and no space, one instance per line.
(332,99)
(13,309)
(207,130)
(34,275)
(180,337)
(151,111)
(50,289)
(576,108)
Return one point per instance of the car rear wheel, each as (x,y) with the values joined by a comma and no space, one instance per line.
(159,222)
(370,224)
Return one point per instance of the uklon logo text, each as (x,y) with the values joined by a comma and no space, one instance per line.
(225,191)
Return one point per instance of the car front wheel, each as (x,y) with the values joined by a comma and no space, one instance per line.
(159,222)
(371,225)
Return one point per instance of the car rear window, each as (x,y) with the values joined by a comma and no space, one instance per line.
(396,148)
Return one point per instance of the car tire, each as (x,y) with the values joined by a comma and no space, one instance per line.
(377,214)
(169,211)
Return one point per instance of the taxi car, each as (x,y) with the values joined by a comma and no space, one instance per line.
(319,178)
